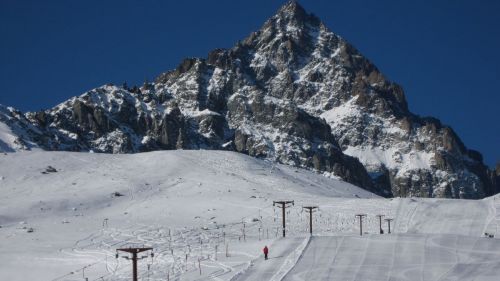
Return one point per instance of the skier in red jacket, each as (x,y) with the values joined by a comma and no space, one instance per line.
(266,251)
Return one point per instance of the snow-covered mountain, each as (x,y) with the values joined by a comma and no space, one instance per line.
(293,92)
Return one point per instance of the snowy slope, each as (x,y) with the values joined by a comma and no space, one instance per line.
(7,138)
(399,257)
(188,203)
(14,128)
(181,191)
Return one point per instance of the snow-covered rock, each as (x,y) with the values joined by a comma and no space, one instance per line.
(16,131)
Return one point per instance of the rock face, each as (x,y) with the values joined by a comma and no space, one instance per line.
(495,178)
(293,92)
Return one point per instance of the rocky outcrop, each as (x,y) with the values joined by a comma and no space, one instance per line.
(292,92)
(495,178)
(16,131)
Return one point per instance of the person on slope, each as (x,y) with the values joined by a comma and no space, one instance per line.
(266,251)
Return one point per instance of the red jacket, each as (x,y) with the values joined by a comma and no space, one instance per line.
(266,250)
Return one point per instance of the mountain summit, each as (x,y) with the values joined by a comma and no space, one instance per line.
(292,92)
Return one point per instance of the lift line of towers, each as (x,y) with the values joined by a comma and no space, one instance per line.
(311,209)
(283,204)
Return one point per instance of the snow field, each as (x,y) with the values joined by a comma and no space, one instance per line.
(188,203)
(197,195)
(399,257)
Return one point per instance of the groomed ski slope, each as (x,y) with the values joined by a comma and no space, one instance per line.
(213,209)
(399,257)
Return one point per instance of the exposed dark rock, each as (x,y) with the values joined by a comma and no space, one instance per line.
(117,194)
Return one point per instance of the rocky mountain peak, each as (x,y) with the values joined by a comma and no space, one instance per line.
(291,25)
(291,7)
(292,13)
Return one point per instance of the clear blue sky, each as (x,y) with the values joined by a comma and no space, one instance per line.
(446,54)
